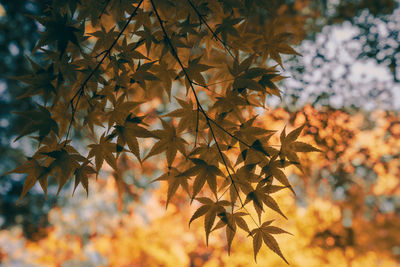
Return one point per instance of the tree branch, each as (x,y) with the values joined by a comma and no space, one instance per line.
(105,54)
(199,106)
(104,8)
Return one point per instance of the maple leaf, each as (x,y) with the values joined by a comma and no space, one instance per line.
(243,177)
(175,179)
(194,71)
(59,30)
(255,136)
(169,142)
(220,133)
(267,80)
(39,82)
(165,75)
(273,169)
(143,18)
(238,68)
(210,210)
(231,221)
(128,133)
(64,164)
(93,118)
(231,102)
(40,120)
(204,173)
(35,172)
(245,76)
(289,146)
(227,27)
(121,110)
(146,36)
(142,74)
(104,38)
(257,153)
(128,52)
(260,196)
(247,129)
(187,114)
(187,27)
(81,176)
(264,233)
(275,43)
(103,151)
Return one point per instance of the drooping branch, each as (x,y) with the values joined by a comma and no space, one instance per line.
(199,106)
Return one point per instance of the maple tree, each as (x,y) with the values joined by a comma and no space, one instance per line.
(110,67)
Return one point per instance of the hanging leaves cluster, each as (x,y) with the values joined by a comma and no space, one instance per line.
(109,64)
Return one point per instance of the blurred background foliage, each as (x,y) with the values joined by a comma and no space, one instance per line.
(18,35)
(345,87)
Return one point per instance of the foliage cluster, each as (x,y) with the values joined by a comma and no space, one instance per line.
(109,67)
(376,24)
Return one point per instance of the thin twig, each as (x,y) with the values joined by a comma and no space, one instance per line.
(219,126)
(104,9)
(73,111)
(231,135)
(101,53)
(209,84)
(240,207)
(211,30)
(208,89)
(197,126)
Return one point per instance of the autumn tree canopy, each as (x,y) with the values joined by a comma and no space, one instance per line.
(182,81)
